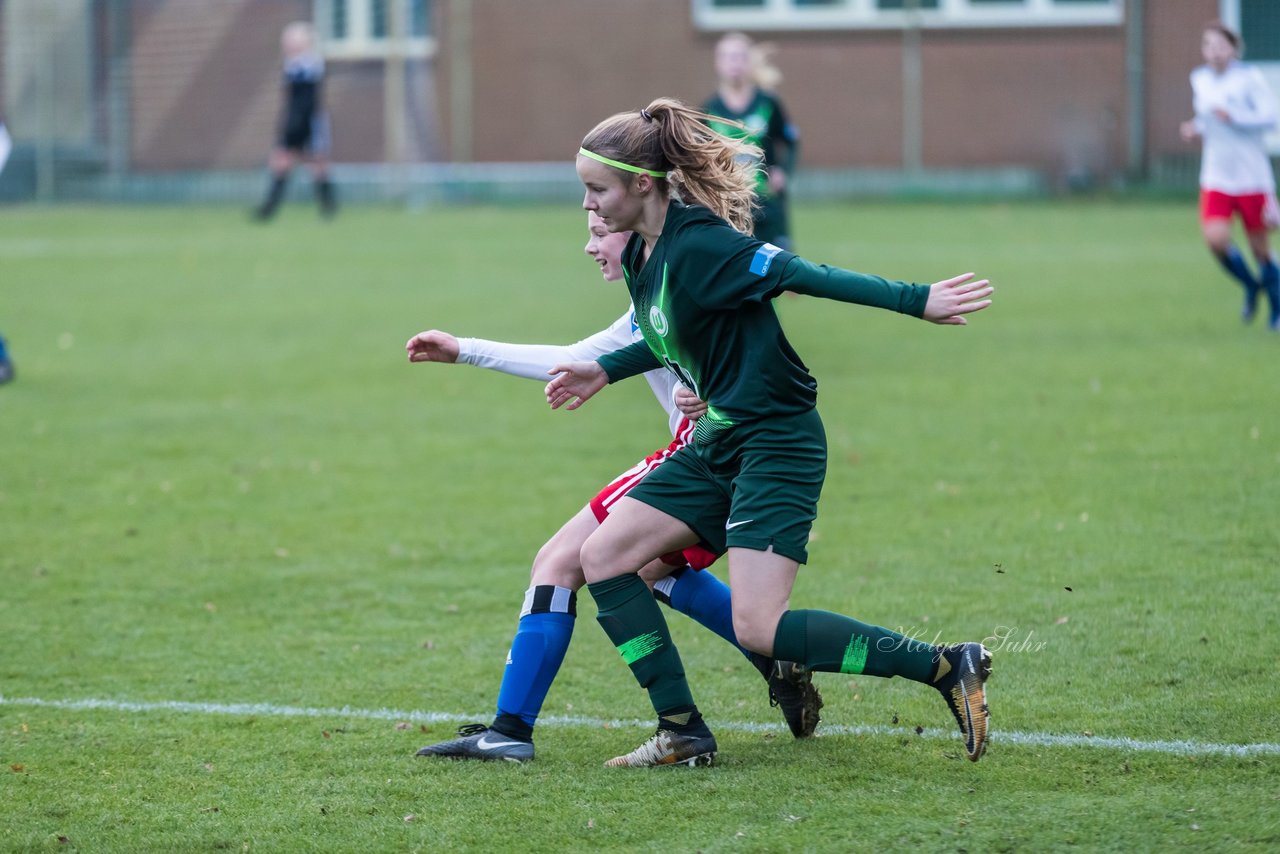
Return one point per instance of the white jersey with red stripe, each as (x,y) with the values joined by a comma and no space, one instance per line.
(534,361)
(1235,158)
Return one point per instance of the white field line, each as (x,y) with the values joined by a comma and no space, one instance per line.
(1027,739)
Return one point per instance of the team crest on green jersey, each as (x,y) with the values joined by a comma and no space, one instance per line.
(658,320)
(656,332)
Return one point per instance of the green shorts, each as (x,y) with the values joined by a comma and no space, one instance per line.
(755,487)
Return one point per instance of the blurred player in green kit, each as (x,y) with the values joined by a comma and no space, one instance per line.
(752,113)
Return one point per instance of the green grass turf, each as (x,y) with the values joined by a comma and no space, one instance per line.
(221,482)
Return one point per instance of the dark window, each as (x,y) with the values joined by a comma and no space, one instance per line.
(1260,28)
(338,19)
(379,23)
(419,19)
(903,4)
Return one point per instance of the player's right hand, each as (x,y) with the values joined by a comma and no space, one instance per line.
(432,346)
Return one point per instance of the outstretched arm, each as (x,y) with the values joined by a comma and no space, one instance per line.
(941,302)
(820,280)
(531,361)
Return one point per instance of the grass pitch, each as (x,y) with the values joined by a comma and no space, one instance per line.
(252,559)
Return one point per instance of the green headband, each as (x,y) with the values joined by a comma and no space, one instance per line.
(618,165)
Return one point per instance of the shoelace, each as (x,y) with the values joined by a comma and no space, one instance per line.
(471,729)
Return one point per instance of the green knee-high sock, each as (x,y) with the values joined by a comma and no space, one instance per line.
(837,644)
(632,620)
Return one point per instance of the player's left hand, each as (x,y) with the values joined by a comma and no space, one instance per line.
(950,300)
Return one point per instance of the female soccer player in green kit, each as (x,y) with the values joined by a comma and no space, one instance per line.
(750,480)
(745,107)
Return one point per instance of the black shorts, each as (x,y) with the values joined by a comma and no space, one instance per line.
(755,487)
(309,135)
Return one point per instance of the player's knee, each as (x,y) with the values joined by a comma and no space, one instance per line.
(594,557)
(656,570)
(558,564)
(755,631)
(1218,240)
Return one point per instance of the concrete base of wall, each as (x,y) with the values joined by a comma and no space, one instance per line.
(448,183)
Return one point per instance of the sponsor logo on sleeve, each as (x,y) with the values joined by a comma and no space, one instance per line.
(763,259)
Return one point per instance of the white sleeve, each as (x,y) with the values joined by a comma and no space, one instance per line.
(1197,102)
(6,145)
(533,361)
(1259,112)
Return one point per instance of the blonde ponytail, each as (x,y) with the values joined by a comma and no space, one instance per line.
(702,166)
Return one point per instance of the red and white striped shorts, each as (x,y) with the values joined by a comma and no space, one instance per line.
(695,556)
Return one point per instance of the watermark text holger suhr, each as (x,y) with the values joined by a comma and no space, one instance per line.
(1002,639)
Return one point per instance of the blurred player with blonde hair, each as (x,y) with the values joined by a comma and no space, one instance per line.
(304,124)
(746,107)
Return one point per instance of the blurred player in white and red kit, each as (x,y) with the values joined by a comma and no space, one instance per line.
(6,145)
(1234,108)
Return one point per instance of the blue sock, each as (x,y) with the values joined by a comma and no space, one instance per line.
(702,596)
(1235,264)
(1271,283)
(541,641)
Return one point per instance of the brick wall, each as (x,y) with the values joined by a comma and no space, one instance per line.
(206,85)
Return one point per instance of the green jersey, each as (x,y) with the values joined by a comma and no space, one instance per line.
(703,303)
(766,127)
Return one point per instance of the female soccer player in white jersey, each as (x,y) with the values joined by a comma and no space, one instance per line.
(547,618)
(1234,109)
(749,482)
(6,145)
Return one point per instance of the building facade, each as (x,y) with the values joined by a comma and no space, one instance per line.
(1078,91)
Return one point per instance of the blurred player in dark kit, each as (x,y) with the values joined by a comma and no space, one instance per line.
(304,124)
